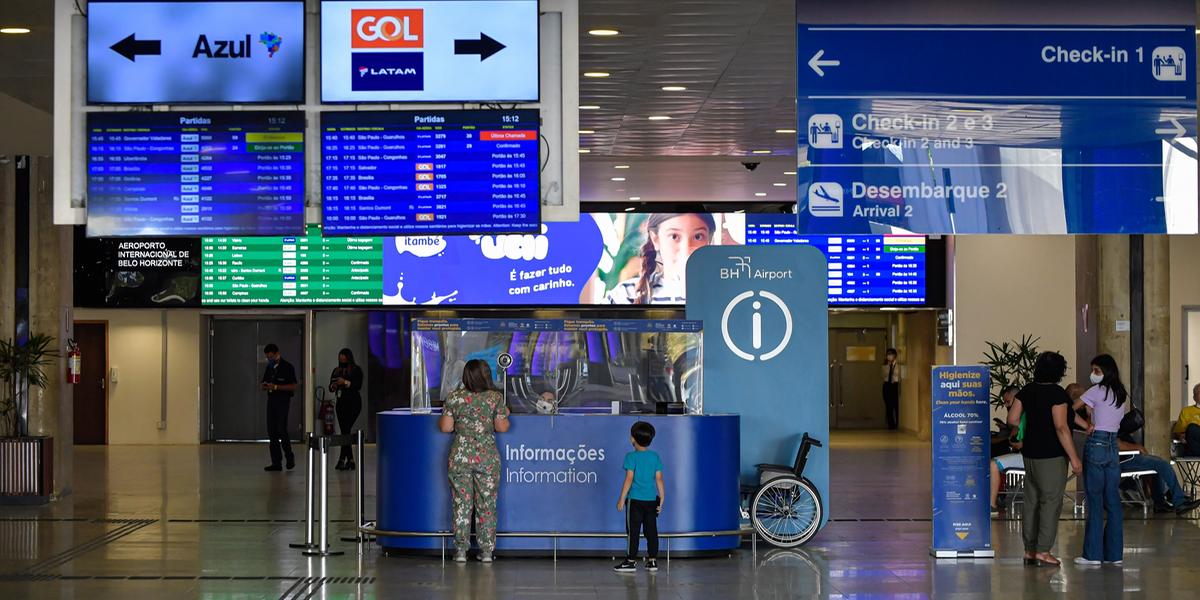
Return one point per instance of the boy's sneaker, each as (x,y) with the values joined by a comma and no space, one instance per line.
(651,564)
(460,557)
(486,557)
(626,566)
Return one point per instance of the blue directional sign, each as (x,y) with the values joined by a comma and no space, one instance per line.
(189,52)
(996,129)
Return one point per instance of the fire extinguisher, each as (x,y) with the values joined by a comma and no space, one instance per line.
(74,362)
(325,414)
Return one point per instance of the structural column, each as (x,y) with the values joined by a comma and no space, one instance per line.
(7,248)
(1156,396)
(1112,313)
(50,306)
(1134,273)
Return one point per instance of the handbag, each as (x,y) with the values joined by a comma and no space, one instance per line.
(1132,421)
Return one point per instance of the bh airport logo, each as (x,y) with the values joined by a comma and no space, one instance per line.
(753,302)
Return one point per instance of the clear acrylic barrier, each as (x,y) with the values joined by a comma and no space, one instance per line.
(565,366)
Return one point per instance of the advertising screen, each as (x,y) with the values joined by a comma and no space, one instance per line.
(430,172)
(190,52)
(167,174)
(136,273)
(604,259)
(633,258)
(429,51)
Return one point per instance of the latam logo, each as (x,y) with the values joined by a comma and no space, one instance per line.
(387,28)
(387,71)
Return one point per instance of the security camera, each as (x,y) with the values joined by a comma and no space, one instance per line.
(750,166)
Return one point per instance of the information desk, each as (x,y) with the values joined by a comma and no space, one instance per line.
(562,474)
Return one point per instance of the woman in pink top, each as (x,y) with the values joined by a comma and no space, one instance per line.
(1105,402)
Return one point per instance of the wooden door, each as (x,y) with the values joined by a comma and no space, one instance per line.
(91,393)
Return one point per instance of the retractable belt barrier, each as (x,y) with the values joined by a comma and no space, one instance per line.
(317,521)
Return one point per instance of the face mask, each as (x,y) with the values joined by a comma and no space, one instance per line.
(342,363)
(272,361)
(1096,379)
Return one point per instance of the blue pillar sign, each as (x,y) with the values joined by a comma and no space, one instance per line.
(762,308)
(996,129)
(962,524)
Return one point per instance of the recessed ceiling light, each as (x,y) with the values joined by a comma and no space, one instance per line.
(603,32)
(658,118)
(589,107)
(635,197)
(760,194)
(586,131)
(785,131)
(789,172)
(620,166)
(14,30)
(584,151)
(760,151)
(618,179)
(630,209)
(673,88)
(595,74)
(779,184)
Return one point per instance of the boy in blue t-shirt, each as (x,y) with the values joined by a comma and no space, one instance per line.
(643,488)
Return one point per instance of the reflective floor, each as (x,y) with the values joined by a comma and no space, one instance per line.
(206,522)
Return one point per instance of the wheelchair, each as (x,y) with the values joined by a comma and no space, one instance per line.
(785,507)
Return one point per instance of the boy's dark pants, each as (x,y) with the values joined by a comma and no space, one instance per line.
(642,515)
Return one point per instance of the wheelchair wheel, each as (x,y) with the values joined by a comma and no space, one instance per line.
(786,511)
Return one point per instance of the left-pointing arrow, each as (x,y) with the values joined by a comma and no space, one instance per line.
(815,63)
(130,48)
(485,46)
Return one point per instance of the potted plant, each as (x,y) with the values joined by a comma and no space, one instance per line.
(29,460)
(1010,363)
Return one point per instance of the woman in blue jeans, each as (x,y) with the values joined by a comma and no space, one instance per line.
(1105,401)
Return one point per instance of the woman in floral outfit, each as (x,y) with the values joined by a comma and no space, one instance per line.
(474,413)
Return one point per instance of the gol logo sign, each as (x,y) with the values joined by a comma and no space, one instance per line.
(394,28)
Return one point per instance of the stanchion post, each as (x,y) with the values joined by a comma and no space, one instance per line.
(361,491)
(308,501)
(322,548)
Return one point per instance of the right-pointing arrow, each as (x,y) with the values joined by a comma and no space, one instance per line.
(815,63)
(1176,130)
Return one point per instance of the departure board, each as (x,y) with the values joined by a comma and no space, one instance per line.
(432,172)
(309,269)
(212,173)
(863,269)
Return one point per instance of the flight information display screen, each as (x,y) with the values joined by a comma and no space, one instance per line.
(212,173)
(863,269)
(308,269)
(430,172)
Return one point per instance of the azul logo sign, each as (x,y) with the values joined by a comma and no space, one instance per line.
(756,325)
(387,71)
(394,28)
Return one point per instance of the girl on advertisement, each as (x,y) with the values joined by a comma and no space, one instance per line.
(671,238)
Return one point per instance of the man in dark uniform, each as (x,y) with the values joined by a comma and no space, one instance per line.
(279,382)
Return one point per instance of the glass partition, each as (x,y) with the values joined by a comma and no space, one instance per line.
(564,366)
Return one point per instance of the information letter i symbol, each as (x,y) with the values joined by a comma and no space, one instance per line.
(756,326)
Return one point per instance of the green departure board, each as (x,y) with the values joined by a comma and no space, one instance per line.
(292,270)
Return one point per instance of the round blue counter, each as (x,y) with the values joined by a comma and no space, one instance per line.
(562,474)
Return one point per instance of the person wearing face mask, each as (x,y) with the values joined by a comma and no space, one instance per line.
(671,238)
(345,383)
(279,382)
(1105,401)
